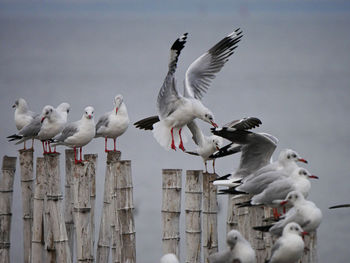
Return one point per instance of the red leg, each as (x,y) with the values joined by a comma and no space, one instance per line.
(106,145)
(172,139)
(275,213)
(181,145)
(24,146)
(284,209)
(43,143)
(115,149)
(75,155)
(48,143)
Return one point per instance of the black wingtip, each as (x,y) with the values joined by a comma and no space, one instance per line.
(179,43)
(262,228)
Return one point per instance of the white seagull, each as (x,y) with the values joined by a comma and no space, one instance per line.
(44,127)
(239,250)
(114,123)
(23,116)
(79,133)
(303,212)
(176,110)
(289,248)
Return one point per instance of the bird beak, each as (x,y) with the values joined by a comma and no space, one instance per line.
(284,202)
(116,110)
(217,148)
(302,160)
(89,117)
(14,106)
(313,177)
(214,124)
(42,119)
(304,233)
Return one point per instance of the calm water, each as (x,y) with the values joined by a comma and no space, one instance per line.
(293,72)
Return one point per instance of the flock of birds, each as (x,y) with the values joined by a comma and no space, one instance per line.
(281,183)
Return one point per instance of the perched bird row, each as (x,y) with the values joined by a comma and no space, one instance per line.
(51,127)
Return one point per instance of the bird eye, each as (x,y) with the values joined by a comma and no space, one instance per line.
(288,156)
(296,197)
(235,238)
(294,155)
(68,111)
(206,115)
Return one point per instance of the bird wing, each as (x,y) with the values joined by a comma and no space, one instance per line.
(147,123)
(168,96)
(69,130)
(244,123)
(229,149)
(197,134)
(32,129)
(103,121)
(201,72)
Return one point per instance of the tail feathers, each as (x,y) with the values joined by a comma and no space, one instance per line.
(244,204)
(231,191)
(262,228)
(224,177)
(14,137)
(147,123)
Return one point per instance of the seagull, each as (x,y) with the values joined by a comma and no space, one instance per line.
(44,127)
(207,145)
(239,251)
(114,123)
(256,148)
(78,134)
(23,116)
(289,248)
(176,110)
(169,258)
(303,212)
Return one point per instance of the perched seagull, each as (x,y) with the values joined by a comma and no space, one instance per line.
(176,111)
(303,212)
(169,258)
(256,148)
(207,145)
(289,248)
(23,116)
(239,251)
(78,133)
(44,127)
(114,123)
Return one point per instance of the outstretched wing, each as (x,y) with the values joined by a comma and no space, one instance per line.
(168,96)
(201,72)
(147,123)
(246,123)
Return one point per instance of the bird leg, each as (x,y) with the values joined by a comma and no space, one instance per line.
(114,140)
(284,209)
(106,150)
(32,144)
(24,145)
(48,143)
(205,164)
(44,146)
(75,155)
(214,166)
(172,139)
(181,145)
(276,215)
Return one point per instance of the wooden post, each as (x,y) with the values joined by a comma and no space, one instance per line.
(193,208)
(68,200)
(54,209)
(125,211)
(81,212)
(6,193)
(311,244)
(171,208)
(210,220)
(38,241)
(26,168)
(104,239)
(92,158)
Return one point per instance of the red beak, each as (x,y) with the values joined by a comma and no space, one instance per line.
(42,119)
(89,116)
(304,234)
(217,148)
(116,110)
(302,160)
(214,124)
(313,177)
(284,202)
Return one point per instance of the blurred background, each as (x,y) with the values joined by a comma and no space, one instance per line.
(291,70)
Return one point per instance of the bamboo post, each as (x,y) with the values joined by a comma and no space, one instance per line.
(92,158)
(193,208)
(124,211)
(68,200)
(104,239)
(81,211)
(210,217)
(38,242)
(171,208)
(54,209)
(6,193)
(26,168)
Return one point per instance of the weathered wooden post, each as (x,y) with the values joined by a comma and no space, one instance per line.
(38,242)
(210,220)
(193,208)
(54,209)
(125,211)
(6,193)
(311,244)
(68,200)
(92,158)
(104,239)
(81,212)
(171,209)
(26,168)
